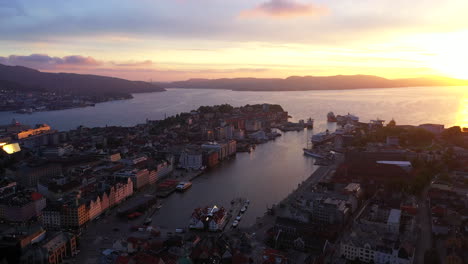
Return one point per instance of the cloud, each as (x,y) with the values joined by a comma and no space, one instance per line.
(10,8)
(44,61)
(144,63)
(284,9)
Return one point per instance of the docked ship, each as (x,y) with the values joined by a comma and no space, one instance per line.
(208,218)
(310,123)
(322,137)
(347,119)
(312,153)
(331,117)
(183,186)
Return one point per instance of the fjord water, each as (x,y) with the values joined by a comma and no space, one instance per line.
(274,169)
(445,105)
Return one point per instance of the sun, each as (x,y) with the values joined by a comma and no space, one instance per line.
(453,65)
(450,55)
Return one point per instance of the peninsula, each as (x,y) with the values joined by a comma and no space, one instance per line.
(306,83)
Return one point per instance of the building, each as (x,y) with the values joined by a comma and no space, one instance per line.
(164,167)
(232,147)
(377,237)
(74,213)
(140,178)
(51,218)
(433,128)
(22,206)
(393,141)
(326,208)
(29,174)
(371,245)
(191,159)
(57,151)
(57,187)
(114,157)
(39,129)
(17,241)
(406,165)
(253,125)
(221,148)
(152,176)
(58,247)
(210,158)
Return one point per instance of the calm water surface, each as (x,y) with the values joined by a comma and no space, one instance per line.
(446,105)
(265,177)
(275,168)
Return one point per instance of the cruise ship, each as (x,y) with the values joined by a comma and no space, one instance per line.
(183,186)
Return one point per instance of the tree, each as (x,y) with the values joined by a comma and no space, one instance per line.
(454,136)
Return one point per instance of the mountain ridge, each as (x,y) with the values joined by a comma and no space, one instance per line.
(74,83)
(306,83)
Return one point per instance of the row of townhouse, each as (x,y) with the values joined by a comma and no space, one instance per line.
(74,211)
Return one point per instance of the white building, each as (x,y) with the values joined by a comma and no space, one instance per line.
(370,245)
(191,160)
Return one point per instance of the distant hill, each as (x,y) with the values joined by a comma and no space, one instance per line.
(296,83)
(13,86)
(78,84)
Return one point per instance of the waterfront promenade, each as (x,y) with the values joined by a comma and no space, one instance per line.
(267,221)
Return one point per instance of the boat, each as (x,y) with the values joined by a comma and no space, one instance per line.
(148,221)
(310,152)
(243,209)
(235,223)
(310,123)
(183,186)
(322,137)
(347,119)
(331,117)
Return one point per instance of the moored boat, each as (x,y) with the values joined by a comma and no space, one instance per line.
(310,123)
(313,154)
(183,186)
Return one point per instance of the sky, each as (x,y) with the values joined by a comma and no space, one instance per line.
(167,40)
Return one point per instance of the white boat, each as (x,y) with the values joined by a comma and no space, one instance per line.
(311,153)
(322,137)
(235,223)
(148,221)
(182,186)
(243,209)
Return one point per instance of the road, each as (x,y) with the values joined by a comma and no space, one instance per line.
(424,242)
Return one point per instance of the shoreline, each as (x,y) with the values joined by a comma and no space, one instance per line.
(267,220)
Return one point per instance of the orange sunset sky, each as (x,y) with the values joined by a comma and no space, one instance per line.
(165,40)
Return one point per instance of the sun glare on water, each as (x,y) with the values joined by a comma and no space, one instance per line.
(462,116)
